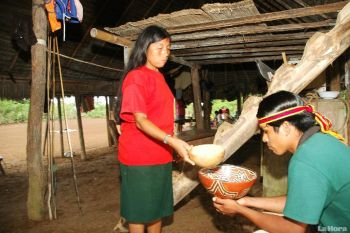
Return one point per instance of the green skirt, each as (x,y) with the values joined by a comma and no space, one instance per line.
(146,192)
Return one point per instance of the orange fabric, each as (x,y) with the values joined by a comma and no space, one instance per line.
(51,14)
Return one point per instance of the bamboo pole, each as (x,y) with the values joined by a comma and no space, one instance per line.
(60,125)
(36,174)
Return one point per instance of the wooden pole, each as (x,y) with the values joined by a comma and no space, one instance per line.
(347,71)
(333,76)
(109,136)
(206,100)
(80,125)
(36,174)
(239,103)
(111,123)
(60,124)
(197,97)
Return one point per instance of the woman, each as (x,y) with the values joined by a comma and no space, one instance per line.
(318,173)
(146,141)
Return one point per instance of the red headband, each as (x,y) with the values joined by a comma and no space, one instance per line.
(323,121)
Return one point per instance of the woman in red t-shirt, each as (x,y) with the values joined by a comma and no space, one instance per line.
(146,142)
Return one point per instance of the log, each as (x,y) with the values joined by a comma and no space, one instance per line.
(320,51)
(35,166)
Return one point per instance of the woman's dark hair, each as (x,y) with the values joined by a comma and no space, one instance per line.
(280,101)
(149,35)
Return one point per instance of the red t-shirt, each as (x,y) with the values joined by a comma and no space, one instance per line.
(145,90)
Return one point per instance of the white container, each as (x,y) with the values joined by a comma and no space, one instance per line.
(328,94)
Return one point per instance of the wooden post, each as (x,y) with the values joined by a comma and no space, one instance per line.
(109,136)
(347,71)
(36,174)
(80,125)
(333,75)
(60,124)
(111,123)
(206,100)
(197,99)
(239,103)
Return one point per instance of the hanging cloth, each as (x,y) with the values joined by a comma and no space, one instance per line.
(51,14)
(69,11)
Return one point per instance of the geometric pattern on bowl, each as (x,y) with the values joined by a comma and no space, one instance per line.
(227,181)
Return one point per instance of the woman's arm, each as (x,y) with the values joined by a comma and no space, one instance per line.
(146,126)
(267,222)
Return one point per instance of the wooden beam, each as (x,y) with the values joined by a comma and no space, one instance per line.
(241,40)
(247,50)
(181,61)
(251,29)
(215,49)
(288,14)
(242,60)
(240,55)
(109,37)
(114,39)
(303,4)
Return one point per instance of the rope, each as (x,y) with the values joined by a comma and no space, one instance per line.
(313,96)
(66,123)
(82,61)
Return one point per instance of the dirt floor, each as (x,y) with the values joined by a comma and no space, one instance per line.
(98,185)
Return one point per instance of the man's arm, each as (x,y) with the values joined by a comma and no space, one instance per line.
(268,222)
(272,204)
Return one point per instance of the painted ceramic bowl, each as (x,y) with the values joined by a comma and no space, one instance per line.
(227,181)
(207,155)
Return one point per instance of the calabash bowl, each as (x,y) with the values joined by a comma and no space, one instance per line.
(227,181)
(207,155)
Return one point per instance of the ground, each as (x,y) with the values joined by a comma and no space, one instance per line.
(98,187)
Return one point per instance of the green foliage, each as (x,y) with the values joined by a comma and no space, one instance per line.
(98,112)
(17,111)
(216,105)
(13,111)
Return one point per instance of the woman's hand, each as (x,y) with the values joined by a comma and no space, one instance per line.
(119,129)
(226,206)
(182,148)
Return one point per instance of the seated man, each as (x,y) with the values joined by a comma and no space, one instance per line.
(318,173)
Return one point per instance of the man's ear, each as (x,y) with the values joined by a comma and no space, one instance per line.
(286,128)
